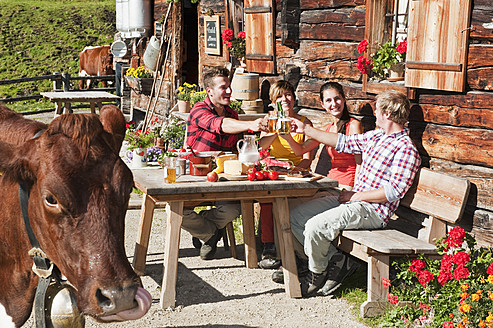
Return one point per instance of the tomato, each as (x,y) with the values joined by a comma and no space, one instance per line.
(251,176)
(273,175)
(266,175)
(259,175)
(252,170)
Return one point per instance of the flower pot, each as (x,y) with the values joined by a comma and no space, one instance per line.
(396,72)
(139,158)
(184,106)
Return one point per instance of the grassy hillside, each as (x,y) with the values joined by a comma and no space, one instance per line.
(42,37)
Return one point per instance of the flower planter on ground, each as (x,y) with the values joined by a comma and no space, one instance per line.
(183,106)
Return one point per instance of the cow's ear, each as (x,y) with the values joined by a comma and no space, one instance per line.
(114,123)
(14,163)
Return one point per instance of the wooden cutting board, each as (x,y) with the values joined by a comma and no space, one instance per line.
(314,177)
(231,177)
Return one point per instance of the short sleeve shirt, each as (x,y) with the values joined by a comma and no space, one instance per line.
(204,132)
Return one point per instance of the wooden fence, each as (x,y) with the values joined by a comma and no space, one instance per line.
(61,82)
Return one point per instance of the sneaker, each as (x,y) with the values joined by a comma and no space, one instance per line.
(340,267)
(301,266)
(209,248)
(269,260)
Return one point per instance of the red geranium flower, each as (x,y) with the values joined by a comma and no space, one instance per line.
(461,272)
(490,269)
(362,46)
(227,34)
(417,265)
(425,277)
(241,34)
(402,47)
(364,64)
(461,258)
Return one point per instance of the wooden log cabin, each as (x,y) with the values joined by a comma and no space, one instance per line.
(449,69)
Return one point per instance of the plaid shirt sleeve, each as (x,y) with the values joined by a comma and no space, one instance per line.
(204,131)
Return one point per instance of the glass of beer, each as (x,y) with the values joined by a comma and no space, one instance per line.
(170,169)
(272,121)
(283,126)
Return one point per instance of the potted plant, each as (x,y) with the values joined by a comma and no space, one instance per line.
(137,143)
(184,94)
(235,45)
(140,79)
(387,61)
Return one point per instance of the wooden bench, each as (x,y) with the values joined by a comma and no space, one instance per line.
(439,198)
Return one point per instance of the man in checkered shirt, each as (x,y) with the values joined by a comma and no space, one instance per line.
(390,162)
(212,125)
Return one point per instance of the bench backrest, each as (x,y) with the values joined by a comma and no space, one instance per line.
(437,194)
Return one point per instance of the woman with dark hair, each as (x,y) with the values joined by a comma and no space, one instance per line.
(344,166)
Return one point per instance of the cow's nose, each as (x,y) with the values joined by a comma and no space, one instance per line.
(116,299)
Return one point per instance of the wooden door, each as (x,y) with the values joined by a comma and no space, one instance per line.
(437,44)
(260,36)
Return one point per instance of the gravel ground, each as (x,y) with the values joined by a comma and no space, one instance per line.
(221,292)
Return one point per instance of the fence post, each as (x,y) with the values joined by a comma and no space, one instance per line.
(66,81)
(57,81)
(66,87)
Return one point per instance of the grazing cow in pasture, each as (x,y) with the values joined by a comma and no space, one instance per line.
(79,190)
(95,61)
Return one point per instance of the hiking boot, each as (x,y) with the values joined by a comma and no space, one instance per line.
(269,260)
(301,266)
(340,267)
(312,282)
(209,248)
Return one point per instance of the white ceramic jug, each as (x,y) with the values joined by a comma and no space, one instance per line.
(248,150)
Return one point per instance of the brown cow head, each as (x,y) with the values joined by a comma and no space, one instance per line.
(79,192)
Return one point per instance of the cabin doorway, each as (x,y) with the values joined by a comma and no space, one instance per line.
(190,66)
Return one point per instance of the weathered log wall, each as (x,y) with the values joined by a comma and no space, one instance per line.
(453,131)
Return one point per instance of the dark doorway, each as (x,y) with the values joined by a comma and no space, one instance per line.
(190,68)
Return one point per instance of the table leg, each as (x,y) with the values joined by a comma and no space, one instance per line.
(58,108)
(93,107)
(171,248)
(249,233)
(68,108)
(281,215)
(142,243)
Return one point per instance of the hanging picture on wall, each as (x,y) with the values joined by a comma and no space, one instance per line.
(212,35)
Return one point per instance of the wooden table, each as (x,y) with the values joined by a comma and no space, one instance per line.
(190,190)
(68,97)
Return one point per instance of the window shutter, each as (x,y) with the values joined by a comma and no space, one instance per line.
(437,44)
(260,37)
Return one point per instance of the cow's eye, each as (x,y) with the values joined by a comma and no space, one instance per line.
(51,201)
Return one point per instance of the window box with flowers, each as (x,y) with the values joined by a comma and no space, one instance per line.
(140,79)
(387,62)
(184,95)
(235,45)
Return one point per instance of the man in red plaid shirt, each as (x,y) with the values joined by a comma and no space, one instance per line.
(390,162)
(212,125)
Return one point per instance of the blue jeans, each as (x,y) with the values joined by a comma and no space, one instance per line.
(317,223)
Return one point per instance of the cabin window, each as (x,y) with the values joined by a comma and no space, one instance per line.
(437,34)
